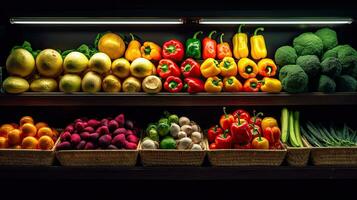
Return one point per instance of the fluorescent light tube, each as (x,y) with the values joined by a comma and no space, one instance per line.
(293,21)
(94,21)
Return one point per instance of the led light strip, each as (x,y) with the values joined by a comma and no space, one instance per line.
(278,21)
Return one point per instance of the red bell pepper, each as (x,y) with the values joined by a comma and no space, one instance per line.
(255,130)
(223,49)
(272,134)
(243,114)
(240,132)
(194,85)
(173,49)
(224,140)
(213,146)
(277,145)
(173,84)
(226,120)
(251,85)
(255,124)
(245,146)
(168,68)
(209,47)
(190,68)
(213,132)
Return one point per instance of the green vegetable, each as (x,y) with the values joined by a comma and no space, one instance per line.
(173,119)
(153,134)
(164,120)
(163,129)
(292,137)
(168,143)
(310,64)
(293,78)
(348,58)
(151,126)
(332,53)
(308,44)
(346,83)
(297,128)
(328,37)
(331,67)
(326,84)
(285,55)
(284,125)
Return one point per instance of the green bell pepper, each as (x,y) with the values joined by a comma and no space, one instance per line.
(193,46)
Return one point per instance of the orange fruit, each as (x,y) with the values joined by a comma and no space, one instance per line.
(28,129)
(14,137)
(5,129)
(3,143)
(29,142)
(41,124)
(55,132)
(16,147)
(44,131)
(45,142)
(26,119)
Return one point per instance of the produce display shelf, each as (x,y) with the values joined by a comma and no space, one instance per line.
(176,99)
(175,173)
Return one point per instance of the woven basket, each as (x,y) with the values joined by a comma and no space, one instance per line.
(298,156)
(35,157)
(122,158)
(172,157)
(246,157)
(346,156)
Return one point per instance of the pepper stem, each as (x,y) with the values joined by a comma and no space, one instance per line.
(238,116)
(258,29)
(173,84)
(197,33)
(147,50)
(211,33)
(230,81)
(249,69)
(269,70)
(132,36)
(171,49)
(187,68)
(215,128)
(240,28)
(164,67)
(221,38)
(225,113)
(225,133)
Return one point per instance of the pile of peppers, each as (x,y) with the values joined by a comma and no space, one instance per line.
(240,130)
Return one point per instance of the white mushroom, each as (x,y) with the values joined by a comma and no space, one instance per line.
(174,130)
(184,121)
(196,147)
(184,143)
(196,137)
(181,134)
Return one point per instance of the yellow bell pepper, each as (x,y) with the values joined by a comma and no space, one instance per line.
(228,67)
(133,51)
(240,44)
(213,84)
(271,85)
(232,84)
(257,43)
(247,68)
(151,51)
(269,122)
(210,68)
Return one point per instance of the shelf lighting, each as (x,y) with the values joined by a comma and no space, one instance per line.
(287,21)
(95,21)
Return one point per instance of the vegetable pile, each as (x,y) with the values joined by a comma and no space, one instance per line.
(107,133)
(315,62)
(319,135)
(240,130)
(290,128)
(173,132)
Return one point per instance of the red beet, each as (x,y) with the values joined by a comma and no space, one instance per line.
(93,123)
(120,119)
(89,145)
(88,129)
(119,140)
(112,147)
(69,128)
(103,130)
(104,141)
(129,132)
(79,126)
(104,122)
(81,145)
(113,125)
(75,139)
(130,145)
(93,137)
(66,136)
(129,124)
(85,135)
(132,138)
(63,145)
(119,131)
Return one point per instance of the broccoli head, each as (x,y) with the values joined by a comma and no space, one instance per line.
(326,84)
(310,64)
(328,37)
(308,44)
(332,53)
(346,83)
(285,55)
(293,78)
(331,67)
(348,57)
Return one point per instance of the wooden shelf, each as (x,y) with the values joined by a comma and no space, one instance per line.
(176,99)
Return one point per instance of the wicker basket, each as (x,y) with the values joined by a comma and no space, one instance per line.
(246,157)
(35,157)
(346,156)
(172,157)
(298,156)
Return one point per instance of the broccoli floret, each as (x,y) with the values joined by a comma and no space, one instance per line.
(310,64)
(326,84)
(328,37)
(293,78)
(285,55)
(331,67)
(346,83)
(332,53)
(348,58)
(308,44)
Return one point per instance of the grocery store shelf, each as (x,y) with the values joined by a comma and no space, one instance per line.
(175,173)
(175,99)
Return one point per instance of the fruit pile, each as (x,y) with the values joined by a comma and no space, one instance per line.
(27,135)
(173,132)
(107,133)
(240,130)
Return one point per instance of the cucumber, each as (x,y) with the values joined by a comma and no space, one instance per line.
(297,128)
(284,125)
(292,137)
